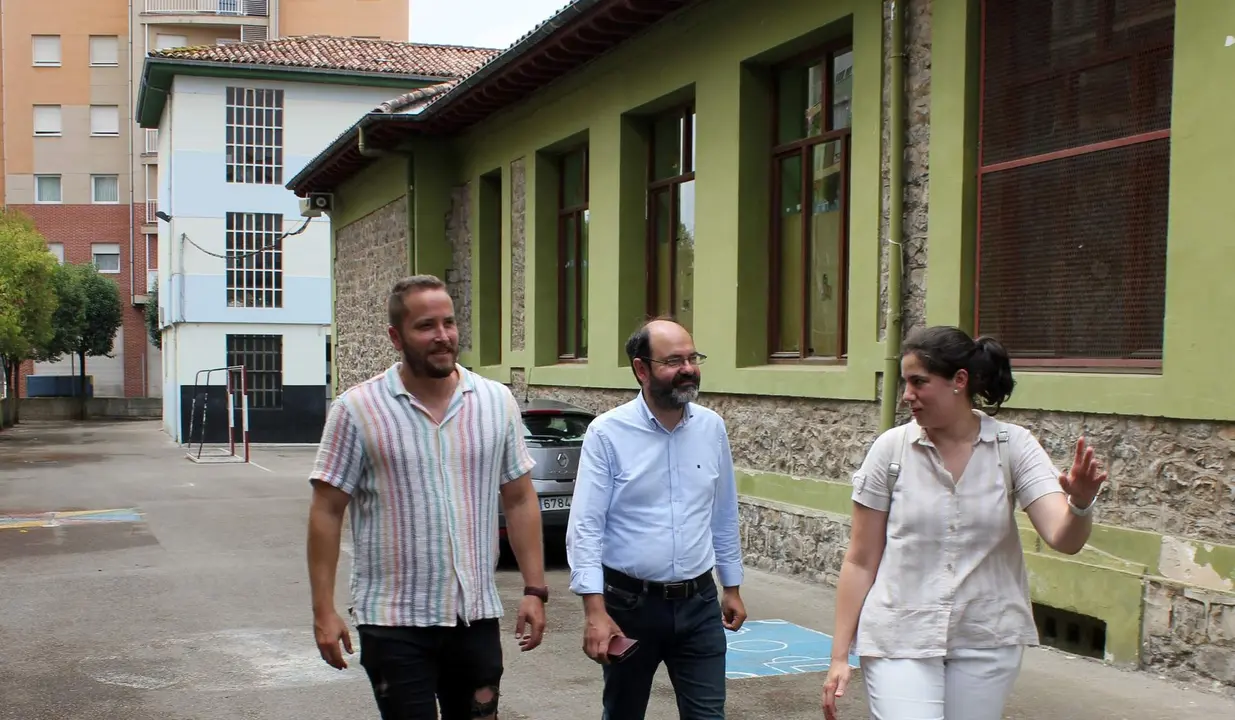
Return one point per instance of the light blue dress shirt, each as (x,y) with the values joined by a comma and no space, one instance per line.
(656,504)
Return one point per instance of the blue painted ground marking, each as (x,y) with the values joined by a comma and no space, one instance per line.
(763,648)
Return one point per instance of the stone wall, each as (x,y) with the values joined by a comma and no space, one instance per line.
(459,274)
(518,250)
(1166,476)
(1188,632)
(916,162)
(792,540)
(370,257)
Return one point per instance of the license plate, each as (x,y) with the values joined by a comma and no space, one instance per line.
(555,502)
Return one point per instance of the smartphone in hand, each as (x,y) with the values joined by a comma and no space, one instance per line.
(621,648)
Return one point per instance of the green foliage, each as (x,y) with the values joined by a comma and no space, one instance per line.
(27,297)
(152,317)
(86,321)
(70,316)
(90,312)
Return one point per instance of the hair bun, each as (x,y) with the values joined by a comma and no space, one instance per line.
(993,368)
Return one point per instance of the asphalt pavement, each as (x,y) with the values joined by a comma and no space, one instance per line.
(137,585)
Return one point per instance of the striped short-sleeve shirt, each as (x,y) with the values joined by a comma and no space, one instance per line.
(424,496)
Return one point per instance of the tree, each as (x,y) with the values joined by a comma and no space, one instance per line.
(152,318)
(86,321)
(27,296)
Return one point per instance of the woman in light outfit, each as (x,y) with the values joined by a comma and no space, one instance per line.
(933,593)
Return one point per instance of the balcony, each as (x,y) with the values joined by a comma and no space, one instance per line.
(251,16)
(249,8)
(152,142)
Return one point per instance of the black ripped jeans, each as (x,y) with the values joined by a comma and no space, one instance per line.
(413,670)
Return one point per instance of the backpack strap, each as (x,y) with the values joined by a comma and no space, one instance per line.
(894,467)
(1005,461)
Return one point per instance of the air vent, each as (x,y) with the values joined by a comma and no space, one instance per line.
(1071,632)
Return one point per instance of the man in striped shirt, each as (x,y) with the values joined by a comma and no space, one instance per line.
(421,455)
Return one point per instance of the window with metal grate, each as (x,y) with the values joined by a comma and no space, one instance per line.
(1073,180)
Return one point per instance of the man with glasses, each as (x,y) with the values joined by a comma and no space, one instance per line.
(655,510)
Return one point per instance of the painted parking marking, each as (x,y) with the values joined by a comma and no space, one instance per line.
(764,648)
(57,518)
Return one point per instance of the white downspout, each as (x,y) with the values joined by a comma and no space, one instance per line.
(145,359)
(4,165)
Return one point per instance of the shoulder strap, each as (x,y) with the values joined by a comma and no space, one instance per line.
(1005,462)
(894,467)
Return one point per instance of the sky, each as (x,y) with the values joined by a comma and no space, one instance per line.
(478,23)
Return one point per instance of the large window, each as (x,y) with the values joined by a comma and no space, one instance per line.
(254,260)
(810,205)
(671,215)
(262,358)
(1073,179)
(572,254)
(254,136)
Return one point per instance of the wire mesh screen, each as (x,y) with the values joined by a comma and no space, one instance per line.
(1073,259)
(1075,152)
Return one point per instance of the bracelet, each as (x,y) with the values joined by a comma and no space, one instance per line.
(1085,511)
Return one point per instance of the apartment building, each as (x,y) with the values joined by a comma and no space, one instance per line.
(72,156)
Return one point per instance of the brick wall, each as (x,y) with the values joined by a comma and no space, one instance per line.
(80,226)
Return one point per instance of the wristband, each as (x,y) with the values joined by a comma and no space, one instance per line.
(1085,511)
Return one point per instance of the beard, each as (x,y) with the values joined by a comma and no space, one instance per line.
(676,393)
(428,364)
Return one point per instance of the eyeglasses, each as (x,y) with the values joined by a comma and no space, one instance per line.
(677,361)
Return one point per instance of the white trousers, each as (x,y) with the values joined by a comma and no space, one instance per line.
(965,685)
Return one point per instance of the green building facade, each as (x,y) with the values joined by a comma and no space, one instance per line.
(1058,179)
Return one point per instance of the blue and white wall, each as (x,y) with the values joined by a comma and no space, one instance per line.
(192,272)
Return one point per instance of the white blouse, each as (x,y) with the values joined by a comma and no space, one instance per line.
(953,572)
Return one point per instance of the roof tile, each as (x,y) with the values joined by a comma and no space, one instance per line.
(343,53)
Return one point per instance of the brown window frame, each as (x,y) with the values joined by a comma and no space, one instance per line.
(671,185)
(803,148)
(579,213)
(1139,58)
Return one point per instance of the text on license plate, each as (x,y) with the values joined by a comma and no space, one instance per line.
(555,502)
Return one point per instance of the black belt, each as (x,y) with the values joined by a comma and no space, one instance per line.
(681,590)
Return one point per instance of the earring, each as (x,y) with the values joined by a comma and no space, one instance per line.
(956,391)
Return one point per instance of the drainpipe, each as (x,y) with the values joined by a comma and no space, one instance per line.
(145,360)
(4,146)
(896,215)
(368,151)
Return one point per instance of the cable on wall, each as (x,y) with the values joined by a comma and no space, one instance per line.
(236,256)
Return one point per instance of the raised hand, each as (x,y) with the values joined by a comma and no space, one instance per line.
(1083,481)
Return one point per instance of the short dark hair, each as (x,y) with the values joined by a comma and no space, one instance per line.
(639,344)
(945,350)
(396,309)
